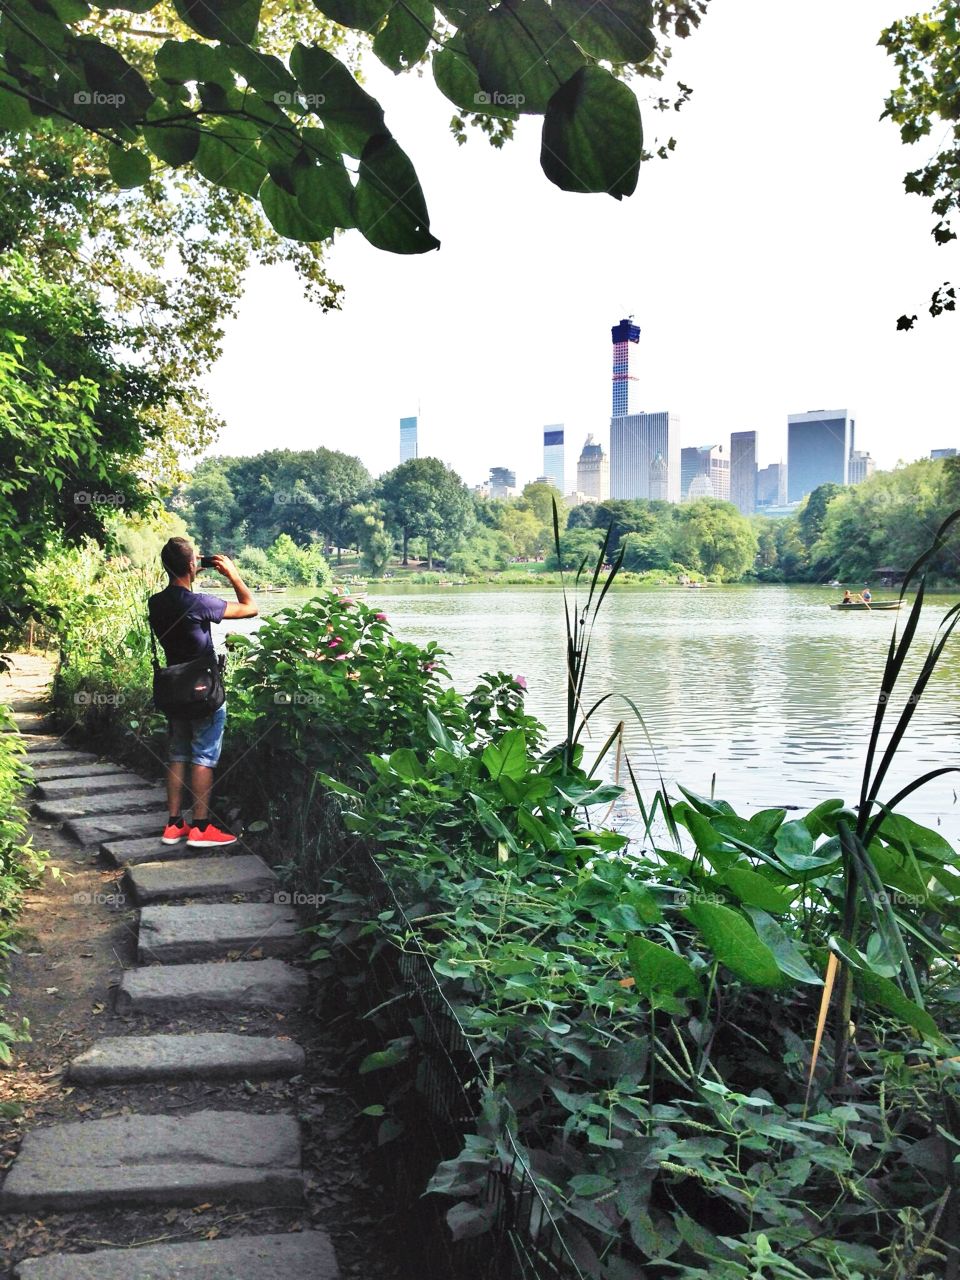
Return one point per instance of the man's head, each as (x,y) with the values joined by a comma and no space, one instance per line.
(179,558)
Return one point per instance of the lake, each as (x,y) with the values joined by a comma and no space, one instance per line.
(763,688)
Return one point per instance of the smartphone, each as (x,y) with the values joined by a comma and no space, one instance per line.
(206,562)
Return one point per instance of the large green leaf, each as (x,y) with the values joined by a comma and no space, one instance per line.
(14,108)
(325,193)
(788,955)
(183,61)
(405,36)
(881,991)
(331,93)
(508,757)
(364,15)
(227,155)
(262,72)
(522,54)
(128,166)
(391,210)
(909,836)
(232,21)
(613,30)
(662,977)
(174,145)
(794,848)
(457,79)
(756,890)
(735,943)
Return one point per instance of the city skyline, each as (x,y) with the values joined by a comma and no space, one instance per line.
(698,282)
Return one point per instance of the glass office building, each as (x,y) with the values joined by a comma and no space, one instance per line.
(819,444)
(641,445)
(623,334)
(553,468)
(743,471)
(408,439)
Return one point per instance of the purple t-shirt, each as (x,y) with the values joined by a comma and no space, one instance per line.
(181,621)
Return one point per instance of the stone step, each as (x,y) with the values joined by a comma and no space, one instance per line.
(207,1054)
(232,987)
(131,853)
(128,800)
(106,826)
(43,743)
(170,935)
(48,772)
(157,1160)
(200,877)
(308,1254)
(90,783)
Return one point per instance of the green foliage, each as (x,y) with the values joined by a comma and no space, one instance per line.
(20,864)
(926,52)
(213,99)
(424,499)
(74,422)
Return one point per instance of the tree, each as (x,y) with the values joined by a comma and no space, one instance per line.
(812,514)
(367,529)
(527,534)
(277,129)
(213,515)
(576,546)
(715,539)
(73,424)
(424,499)
(539,498)
(926,51)
(582,517)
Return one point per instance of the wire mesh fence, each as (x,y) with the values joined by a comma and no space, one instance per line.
(521,1239)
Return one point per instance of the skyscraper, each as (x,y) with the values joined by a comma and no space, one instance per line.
(637,438)
(635,441)
(942,453)
(593,471)
(819,444)
(772,485)
(861,467)
(706,460)
(408,439)
(553,467)
(743,471)
(623,334)
(503,482)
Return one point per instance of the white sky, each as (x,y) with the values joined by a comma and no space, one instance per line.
(766,263)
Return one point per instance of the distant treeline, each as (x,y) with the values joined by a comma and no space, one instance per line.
(325,498)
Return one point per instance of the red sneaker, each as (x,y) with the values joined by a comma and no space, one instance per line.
(211,836)
(174,832)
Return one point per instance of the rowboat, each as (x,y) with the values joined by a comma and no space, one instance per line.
(873,607)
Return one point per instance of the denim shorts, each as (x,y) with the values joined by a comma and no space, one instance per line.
(198,741)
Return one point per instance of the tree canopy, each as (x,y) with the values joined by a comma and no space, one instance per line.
(286,123)
(926,50)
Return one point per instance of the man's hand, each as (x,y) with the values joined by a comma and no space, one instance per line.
(225,566)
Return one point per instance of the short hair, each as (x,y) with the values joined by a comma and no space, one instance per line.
(176,556)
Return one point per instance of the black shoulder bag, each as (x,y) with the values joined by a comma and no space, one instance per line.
(188,690)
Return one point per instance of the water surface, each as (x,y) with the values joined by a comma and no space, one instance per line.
(762,688)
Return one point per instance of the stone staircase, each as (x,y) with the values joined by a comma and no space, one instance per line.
(214,935)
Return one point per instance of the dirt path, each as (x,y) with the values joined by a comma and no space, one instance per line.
(79,936)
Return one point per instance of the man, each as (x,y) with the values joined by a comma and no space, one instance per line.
(181,619)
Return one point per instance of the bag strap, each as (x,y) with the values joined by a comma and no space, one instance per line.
(153,645)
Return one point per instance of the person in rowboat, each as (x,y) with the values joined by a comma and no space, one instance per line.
(866,595)
(847,598)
